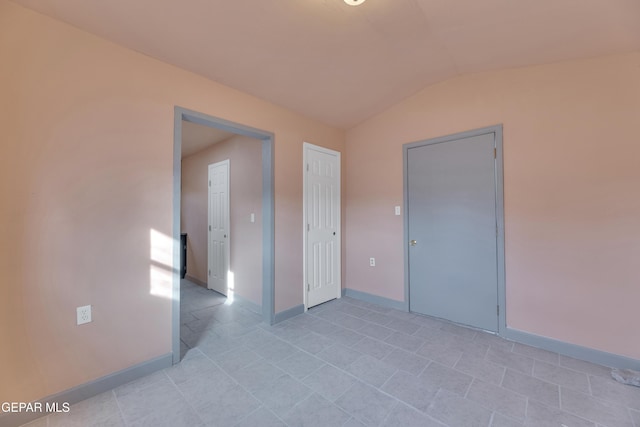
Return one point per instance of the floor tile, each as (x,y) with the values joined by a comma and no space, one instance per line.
(227,407)
(345,336)
(586,367)
(371,370)
(300,364)
(355,310)
(275,351)
(316,411)
(322,327)
(353,422)
(511,360)
(500,420)
(428,321)
(533,388)
(257,375)
(459,330)
(440,351)
(235,359)
(493,341)
(498,399)
(339,355)
(70,420)
(212,345)
(192,365)
(313,343)
(138,405)
(600,411)
(100,409)
(439,376)
(406,416)
(613,391)
(481,369)
(562,376)
(261,417)
(366,403)
(289,332)
(406,361)
(536,353)
(158,378)
(200,390)
(178,414)
(542,415)
(454,410)
(404,326)
(281,395)
(411,390)
(405,341)
(376,331)
(329,382)
(373,347)
(378,318)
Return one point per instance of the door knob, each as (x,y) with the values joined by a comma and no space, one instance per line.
(413,242)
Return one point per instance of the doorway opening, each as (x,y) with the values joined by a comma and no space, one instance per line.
(183,118)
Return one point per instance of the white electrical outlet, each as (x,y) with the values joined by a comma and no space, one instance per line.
(372,262)
(253,217)
(83,314)
(397,210)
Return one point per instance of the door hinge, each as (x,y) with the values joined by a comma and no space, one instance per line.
(209,228)
(308,287)
(307,167)
(308,227)
(498,310)
(209,272)
(209,183)
(495,153)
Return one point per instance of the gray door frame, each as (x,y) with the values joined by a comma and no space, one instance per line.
(268,212)
(496,130)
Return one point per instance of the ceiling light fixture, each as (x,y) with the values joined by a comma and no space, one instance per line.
(354,2)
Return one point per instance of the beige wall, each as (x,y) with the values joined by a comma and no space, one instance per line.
(245,190)
(86,187)
(571,180)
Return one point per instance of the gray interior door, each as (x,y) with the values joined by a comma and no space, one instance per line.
(451,200)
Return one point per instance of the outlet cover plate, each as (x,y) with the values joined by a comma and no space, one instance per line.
(83,314)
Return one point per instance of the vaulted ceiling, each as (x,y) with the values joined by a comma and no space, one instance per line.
(342,64)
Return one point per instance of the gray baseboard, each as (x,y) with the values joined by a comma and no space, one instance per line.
(289,313)
(196,281)
(374,299)
(90,389)
(578,352)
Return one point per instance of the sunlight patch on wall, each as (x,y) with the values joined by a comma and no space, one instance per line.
(230,288)
(161,266)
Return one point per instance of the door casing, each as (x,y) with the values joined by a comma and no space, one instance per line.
(268,213)
(499,182)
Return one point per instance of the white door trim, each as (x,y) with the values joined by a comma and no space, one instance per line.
(305,148)
(227,235)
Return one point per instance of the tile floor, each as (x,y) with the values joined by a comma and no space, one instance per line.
(351,363)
